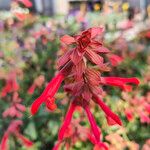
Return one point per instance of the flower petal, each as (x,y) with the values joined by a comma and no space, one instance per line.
(96,31)
(64,59)
(92,121)
(49,91)
(76,57)
(67,121)
(24,140)
(4,142)
(93,57)
(107,110)
(67,39)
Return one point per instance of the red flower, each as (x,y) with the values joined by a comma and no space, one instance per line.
(27,3)
(4,142)
(48,93)
(83,81)
(120,82)
(66,121)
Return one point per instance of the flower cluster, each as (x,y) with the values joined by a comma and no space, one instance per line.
(138,107)
(81,67)
(15,111)
(13,129)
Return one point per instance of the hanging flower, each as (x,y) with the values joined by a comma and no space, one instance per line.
(80,68)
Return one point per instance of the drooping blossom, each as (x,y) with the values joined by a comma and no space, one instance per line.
(13,129)
(73,135)
(81,68)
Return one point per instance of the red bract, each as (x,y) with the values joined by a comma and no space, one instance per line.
(80,68)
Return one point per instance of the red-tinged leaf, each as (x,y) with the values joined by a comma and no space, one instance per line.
(64,59)
(67,121)
(79,70)
(95,44)
(67,39)
(93,124)
(93,76)
(86,94)
(101,50)
(74,88)
(93,57)
(76,57)
(96,90)
(4,142)
(107,110)
(96,31)
(27,3)
(78,88)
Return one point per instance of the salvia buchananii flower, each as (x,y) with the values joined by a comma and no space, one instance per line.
(81,68)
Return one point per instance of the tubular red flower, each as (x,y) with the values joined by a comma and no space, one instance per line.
(107,110)
(120,82)
(92,121)
(4,142)
(49,92)
(67,121)
(57,145)
(24,140)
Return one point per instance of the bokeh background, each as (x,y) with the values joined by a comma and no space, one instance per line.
(29,48)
